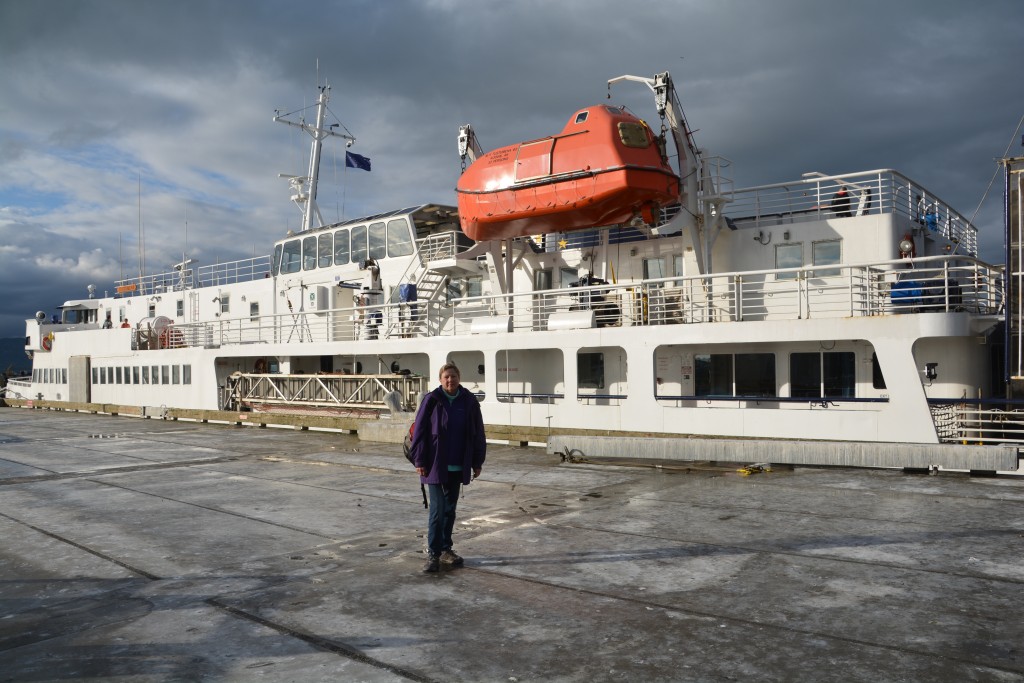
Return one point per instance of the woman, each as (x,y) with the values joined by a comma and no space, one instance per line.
(448,442)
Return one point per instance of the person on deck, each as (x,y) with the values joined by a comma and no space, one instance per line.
(448,443)
(841,203)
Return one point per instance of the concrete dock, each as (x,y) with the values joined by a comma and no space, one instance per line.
(151,550)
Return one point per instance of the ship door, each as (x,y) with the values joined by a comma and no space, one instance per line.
(79,386)
(534,160)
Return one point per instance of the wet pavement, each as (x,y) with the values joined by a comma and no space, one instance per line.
(149,550)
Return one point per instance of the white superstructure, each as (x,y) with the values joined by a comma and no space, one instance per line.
(780,311)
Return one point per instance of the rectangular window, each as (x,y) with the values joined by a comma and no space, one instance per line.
(839,374)
(805,375)
(103,375)
(186,374)
(309,253)
(275,263)
(175,374)
(135,375)
(826,253)
(254,310)
(654,268)
(165,375)
(399,239)
(590,370)
(145,374)
(118,377)
(291,260)
(110,375)
(180,308)
(154,374)
(755,374)
(822,375)
(359,244)
(341,247)
(325,250)
(713,374)
(788,256)
(378,241)
(225,303)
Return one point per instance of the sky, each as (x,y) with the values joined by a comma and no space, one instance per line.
(130,122)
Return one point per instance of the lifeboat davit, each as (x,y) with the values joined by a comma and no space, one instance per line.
(605,168)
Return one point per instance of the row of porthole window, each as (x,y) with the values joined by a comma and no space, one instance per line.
(145,374)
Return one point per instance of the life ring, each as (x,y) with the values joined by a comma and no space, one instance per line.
(48,342)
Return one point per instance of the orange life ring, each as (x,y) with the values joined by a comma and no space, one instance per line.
(48,341)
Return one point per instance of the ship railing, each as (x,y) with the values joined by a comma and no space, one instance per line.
(324,390)
(178,280)
(245,270)
(978,421)
(442,245)
(870,193)
(926,285)
(17,387)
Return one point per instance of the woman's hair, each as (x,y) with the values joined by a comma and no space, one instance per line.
(449,366)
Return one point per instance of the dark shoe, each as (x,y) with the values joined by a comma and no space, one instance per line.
(449,557)
(433,564)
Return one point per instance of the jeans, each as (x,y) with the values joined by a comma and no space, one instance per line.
(441,518)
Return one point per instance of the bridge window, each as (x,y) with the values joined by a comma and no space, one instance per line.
(275,263)
(291,260)
(341,247)
(399,239)
(359,244)
(325,250)
(378,241)
(309,253)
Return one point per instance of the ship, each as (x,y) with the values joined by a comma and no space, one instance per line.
(589,288)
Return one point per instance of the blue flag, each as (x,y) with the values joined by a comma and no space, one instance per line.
(357,161)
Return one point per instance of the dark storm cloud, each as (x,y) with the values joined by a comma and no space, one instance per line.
(102,97)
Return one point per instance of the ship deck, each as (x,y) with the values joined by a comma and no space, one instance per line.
(150,550)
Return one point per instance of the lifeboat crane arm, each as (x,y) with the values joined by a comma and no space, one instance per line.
(666,102)
(469,147)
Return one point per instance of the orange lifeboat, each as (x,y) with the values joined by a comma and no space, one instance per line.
(604,168)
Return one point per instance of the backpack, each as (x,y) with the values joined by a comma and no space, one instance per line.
(407,445)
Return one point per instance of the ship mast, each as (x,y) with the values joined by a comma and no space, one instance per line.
(304,187)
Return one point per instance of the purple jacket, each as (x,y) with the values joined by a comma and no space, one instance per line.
(431,440)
